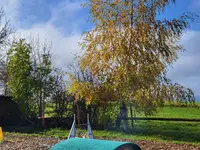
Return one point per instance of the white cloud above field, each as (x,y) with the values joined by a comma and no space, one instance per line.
(187,69)
(63,46)
(61,28)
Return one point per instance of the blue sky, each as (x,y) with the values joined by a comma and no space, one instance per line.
(41,11)
(63,21)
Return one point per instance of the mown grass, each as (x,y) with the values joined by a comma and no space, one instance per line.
(175,112)
(162,112)
(174,132)
(164,131)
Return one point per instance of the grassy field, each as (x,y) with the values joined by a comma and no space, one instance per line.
(175,132)
(175,112)
(165,112)
(162,131)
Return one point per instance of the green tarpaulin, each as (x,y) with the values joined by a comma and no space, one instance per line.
(93,144)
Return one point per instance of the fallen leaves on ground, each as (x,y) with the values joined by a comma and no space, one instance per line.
(19,142)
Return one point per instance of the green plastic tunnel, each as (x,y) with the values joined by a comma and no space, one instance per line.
(93,144)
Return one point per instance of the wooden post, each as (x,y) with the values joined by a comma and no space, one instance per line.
(134,114)
(131,110)
(43,122)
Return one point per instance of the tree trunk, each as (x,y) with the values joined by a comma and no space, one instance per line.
(40,103)
(118,122)
(78,115)
(131,110)
(123,114)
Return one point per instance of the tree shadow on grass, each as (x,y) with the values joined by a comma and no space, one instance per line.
(169,131)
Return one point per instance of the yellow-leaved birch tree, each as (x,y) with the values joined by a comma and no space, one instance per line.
(128,52)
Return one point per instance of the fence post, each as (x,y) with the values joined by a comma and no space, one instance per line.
(134,114)
(131,110)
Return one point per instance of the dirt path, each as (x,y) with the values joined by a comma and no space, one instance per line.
(16,142)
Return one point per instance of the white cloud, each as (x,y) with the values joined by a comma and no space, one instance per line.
(186,70)
(63,47)
(11,8)
(67,14)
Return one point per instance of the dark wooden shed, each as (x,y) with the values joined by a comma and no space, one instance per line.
(9,112)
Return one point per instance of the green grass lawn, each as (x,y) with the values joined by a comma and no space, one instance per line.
(178,132)
(175,132)
(165,112)
(175,112)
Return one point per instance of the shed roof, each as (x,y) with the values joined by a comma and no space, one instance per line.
(93,144)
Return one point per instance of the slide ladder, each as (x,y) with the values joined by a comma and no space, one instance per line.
(72,133)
